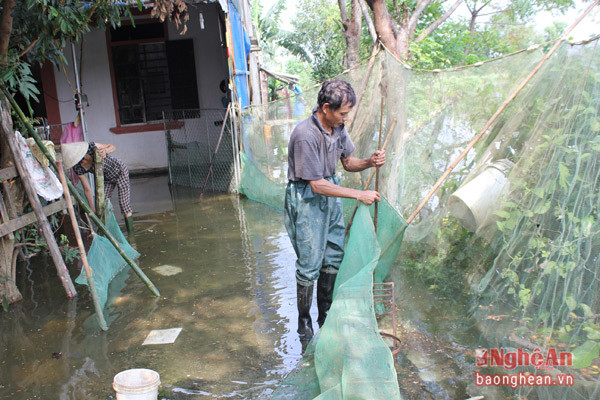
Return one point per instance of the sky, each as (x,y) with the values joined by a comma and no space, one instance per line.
(587,28)
(590,26)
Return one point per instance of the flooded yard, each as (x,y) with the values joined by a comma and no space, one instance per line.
(224,268)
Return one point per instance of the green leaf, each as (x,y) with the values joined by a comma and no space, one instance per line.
(587,311)
(502,214)
(571,303)
(584,354)
(586,226)
(542,208)
(524,296)
(539,192)
(563,175)
(592,333)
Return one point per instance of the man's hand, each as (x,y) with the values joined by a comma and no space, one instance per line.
(368,197)
(377,159)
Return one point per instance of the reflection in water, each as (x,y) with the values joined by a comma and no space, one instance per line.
(233,295)
(225,269)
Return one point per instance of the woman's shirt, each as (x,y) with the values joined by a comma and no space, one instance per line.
(112,166)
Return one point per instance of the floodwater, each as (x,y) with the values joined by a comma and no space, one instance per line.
(225,270)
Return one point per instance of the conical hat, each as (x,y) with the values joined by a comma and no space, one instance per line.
(72,153)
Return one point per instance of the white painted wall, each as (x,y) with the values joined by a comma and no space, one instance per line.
(143,150)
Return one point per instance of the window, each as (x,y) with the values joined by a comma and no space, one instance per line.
(151,74)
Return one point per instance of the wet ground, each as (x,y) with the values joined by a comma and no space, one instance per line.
(224,268)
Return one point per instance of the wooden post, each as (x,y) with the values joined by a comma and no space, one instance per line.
(99,183)
(7,254)
(44,225)
(84,261)
(375,218)
(212,159)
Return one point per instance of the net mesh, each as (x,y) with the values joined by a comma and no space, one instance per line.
(105,261)
(513,229)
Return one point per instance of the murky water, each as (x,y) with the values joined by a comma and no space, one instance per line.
(224,268)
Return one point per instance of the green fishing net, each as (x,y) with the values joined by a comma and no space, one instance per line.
(513,230)
(105,261)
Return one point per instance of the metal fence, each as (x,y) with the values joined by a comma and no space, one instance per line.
(192,149)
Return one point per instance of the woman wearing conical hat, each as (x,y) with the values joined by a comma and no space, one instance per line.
(80,157)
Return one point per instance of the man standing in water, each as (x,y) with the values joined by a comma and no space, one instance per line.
(313,205)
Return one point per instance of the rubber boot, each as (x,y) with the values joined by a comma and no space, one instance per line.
(325,286)
(129,225)
(304,299)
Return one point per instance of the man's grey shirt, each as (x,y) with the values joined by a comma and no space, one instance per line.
(313,153)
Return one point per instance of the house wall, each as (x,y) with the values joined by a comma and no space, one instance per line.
(139,150)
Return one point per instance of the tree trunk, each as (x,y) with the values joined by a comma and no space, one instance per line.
(6,22)
(472,23)
(396,36)
(396,40)
(351,31)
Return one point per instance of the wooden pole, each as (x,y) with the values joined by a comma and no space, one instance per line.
(377,168)
(498,111)
(387,140)
(80,200)
(86,266)
(99,184)
(44,225)
(212,159)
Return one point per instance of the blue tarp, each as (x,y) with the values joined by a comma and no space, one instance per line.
(241,49)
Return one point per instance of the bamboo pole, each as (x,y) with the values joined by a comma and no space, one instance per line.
(377,168)
(498,112)
(80,200)
(492,119)
(34,200)
(387,140)
(99,183)
(84,260)
(212,159)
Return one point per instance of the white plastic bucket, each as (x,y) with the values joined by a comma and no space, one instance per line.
(471,204)
(137,384)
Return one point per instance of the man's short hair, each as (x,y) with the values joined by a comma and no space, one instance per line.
(336,92)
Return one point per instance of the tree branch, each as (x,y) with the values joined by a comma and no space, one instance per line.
(28,48)
(343,12)
(485,3)
(414,18)
(365,12)
(439,21)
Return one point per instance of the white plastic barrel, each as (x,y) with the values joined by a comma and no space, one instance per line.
(137,384)
(471,204)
